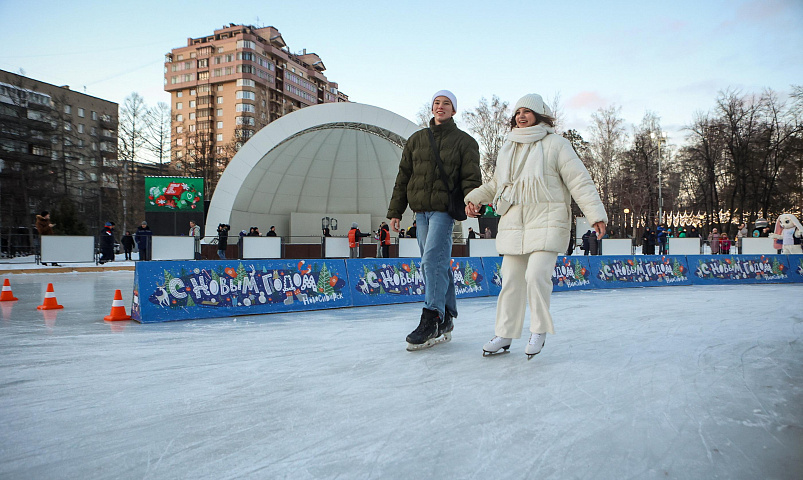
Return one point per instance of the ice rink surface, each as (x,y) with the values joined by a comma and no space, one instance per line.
(697,382)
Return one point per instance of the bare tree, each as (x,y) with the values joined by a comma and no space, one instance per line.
(557,112)
(157,133)
(607,143)
(490,123)
(131,139)
(423,115)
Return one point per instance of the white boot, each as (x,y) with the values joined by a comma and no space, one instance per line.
(496,344)
(535,344)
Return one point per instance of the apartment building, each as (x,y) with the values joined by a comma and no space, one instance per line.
(226,86)
(55,144)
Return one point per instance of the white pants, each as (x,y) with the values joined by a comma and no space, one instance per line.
(527,277)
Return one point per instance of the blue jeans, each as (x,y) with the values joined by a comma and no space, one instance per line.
(221,254)
(434,236)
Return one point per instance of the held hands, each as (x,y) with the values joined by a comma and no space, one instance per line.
(394,224)
(472,210)
(599,227)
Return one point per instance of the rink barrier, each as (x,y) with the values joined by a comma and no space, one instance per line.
(184,290)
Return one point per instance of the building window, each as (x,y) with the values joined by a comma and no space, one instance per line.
(180,57)
(94,115)
(192,127)
(81,112)
(192,92)
(245,107)
(68,109)
(245,82)
(179,129)
(220,88)
(192,103)
(219,100)
(244,120)
(179,118)
(179,94)
(246,44)
(67,126)
(180,142)
(173,80)
(243,94)
(219,112)
(80,128)
(219,124)
(192,115)
(179,105)
(219,137)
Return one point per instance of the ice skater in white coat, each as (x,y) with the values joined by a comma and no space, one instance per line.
(537,174)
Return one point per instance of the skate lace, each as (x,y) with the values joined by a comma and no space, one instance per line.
(497,339)
(535,338)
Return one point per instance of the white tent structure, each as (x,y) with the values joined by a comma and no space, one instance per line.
(336,159)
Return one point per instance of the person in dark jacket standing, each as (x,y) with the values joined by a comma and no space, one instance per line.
(222,240)
(648,242)
(271,232)
(128,244)
(143,238)
(107,243)
(419,185)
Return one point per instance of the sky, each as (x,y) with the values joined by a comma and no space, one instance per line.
(669,58)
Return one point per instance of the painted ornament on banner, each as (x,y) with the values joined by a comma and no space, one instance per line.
(568,274)
(467,278)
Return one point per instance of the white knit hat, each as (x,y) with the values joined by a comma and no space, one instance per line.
(534,102)
(447,94)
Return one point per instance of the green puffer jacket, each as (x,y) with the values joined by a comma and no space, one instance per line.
(418,182)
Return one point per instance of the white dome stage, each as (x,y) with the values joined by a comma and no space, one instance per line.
(336,160)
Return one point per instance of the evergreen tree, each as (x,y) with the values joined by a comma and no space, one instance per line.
(468,277)
(66,219)
(324,287)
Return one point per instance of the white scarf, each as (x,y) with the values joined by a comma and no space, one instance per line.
(523,145)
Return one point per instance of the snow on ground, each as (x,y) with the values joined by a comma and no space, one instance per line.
(667,382)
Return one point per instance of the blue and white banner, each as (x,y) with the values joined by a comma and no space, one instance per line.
(165,291)
(181,290)
(618,271)
(710,269)
(378,281)
(493,274)
(572,273)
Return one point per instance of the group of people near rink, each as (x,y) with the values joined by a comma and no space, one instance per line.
(537,174)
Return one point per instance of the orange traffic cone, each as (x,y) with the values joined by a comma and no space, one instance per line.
(7,295)
(118,309)
(50,299)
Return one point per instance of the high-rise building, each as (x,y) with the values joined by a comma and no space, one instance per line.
(56,144)
(226,86)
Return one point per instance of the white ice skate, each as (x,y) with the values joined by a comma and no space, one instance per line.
(535,345)
(496,344)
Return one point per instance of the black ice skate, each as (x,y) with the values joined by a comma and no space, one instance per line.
(445,328)
(427,332)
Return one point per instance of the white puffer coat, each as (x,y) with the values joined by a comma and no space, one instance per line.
(546,224)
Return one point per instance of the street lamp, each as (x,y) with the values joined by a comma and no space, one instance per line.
(660,138)
(627,211)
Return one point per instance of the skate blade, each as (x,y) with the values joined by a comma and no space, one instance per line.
(531,355)
(486,353)
(429,343)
